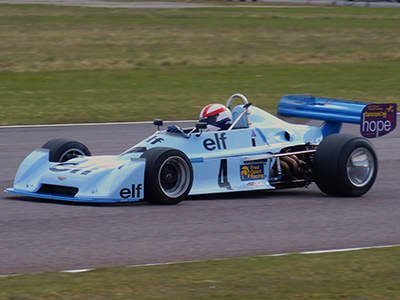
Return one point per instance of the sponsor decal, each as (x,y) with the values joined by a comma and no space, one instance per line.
(216,143)
(126,193)
(252,172)
(84,168)
(254,183)
(154,140)
(378,119)
(61,178)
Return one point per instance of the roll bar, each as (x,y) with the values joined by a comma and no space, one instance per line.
(233,97)
(246,106)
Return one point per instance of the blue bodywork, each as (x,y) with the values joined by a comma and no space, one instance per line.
(239,159)
(334,112)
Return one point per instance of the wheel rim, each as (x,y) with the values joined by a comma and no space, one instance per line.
(71,153)
(174,177)
(360,167)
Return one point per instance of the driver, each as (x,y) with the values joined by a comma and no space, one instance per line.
(217,117)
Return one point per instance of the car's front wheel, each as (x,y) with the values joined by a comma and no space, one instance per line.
(168,176)
(345,165)
(62,150)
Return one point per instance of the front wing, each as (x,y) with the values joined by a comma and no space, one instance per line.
(97,179)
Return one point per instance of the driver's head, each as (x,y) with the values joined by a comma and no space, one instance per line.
(217,116)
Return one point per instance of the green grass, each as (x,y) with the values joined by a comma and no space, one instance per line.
(179,93)
(72,64)
(366,274)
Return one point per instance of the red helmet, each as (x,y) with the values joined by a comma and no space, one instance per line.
(217,116)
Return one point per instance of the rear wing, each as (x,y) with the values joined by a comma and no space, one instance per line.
(374,119)
(334,112)
(318,108)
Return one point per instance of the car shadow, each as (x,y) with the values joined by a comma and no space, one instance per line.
(293,194)
(74,203)
(288,194)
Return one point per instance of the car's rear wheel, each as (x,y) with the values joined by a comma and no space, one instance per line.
(62,150)
(168,176)
(345,165)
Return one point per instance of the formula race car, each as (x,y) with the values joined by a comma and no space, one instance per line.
(258,151)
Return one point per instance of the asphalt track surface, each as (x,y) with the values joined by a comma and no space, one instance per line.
(40,236)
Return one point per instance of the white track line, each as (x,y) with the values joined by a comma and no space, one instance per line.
(77,270)
(217,259)
(268,255)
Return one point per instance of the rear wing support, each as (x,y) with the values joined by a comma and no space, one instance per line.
(333,111)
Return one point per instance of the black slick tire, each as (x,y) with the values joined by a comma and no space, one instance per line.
(345,165)
(62,150)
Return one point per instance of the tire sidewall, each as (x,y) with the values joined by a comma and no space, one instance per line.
(347,186)
(155,159)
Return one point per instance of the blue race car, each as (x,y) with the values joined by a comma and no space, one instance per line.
(255,151)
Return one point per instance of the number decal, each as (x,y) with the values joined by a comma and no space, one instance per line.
(223,175)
